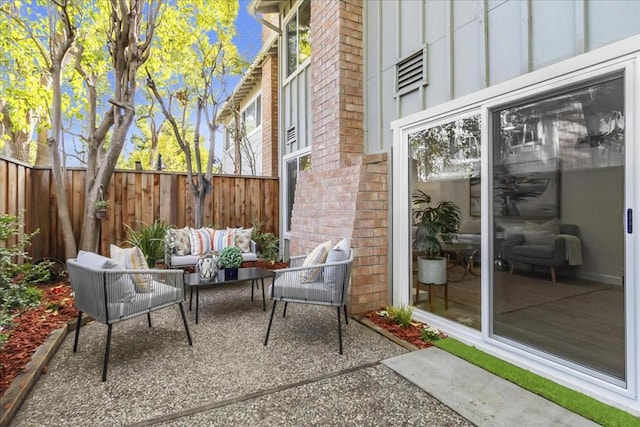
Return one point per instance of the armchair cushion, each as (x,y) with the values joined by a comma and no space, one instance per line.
(538,237)
(122,290)
(317,256)
(340,252)
(133,259)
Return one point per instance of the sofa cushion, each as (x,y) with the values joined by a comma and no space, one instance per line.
(200,240)
(242,238)
(222,239)
(179,241)
(133,259)
(317,256)
(191,260)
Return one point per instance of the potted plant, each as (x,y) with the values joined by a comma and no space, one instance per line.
(101,208)
(230,259)
(150,240)
(435,225)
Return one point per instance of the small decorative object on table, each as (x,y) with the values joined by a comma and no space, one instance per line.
(230,259)
(207,266)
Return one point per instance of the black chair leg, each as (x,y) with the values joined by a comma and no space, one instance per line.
(284,312)
(346,316)
(79,322)
(252,282)
(184,320)
(273,310)
(106,354)
(149,319)
(339,330)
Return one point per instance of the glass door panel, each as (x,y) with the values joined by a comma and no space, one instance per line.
(558,198)
(445,169)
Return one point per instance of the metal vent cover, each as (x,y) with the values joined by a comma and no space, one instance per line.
(411,72)
(291,135)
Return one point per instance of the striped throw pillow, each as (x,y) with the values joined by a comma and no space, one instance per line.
(317,256)
(200,240)
(222,239)
(133,259)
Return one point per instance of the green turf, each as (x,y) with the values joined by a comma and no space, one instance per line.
(572,400)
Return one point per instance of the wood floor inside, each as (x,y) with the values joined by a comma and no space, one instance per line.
(574,319)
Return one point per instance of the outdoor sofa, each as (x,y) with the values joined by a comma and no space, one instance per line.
(183,246)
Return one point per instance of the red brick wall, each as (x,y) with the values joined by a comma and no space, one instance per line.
(270,116)
(345,192)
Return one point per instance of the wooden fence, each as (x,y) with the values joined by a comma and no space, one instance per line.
(136,196)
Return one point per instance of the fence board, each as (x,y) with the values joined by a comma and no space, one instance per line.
(135,196)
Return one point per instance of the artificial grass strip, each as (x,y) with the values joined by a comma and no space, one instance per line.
(572,400)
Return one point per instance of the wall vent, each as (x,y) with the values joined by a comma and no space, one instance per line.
(411,72)
(291,135)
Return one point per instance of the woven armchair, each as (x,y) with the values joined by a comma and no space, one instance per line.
(110,296)
(322,284)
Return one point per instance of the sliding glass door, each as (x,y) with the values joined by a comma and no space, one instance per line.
(558,196)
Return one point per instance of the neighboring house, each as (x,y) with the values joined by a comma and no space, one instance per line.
(253,102)
(523,113)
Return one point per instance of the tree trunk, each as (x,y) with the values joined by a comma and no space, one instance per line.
(43,153)
(64,219)
(237,161)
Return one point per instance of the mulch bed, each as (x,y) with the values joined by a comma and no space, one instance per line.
(32,327)
(410,334)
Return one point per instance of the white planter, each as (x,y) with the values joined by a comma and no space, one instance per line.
(432,271)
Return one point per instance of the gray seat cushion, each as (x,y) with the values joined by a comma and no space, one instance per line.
(316,292)
(191,260)
(162,295)
(534,251)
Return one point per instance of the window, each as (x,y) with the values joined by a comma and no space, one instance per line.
(251,116)
(293,168)
(299,37)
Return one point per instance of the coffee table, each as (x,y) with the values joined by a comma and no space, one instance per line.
(252,274)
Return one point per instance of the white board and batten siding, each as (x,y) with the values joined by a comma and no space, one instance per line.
(474,44)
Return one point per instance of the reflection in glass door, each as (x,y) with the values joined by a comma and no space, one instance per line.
(558,197)
(445,172)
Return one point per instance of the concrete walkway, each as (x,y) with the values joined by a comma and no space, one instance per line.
(229,378)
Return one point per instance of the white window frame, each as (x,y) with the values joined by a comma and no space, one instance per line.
(253,103)
(285,226)
(294,14)
(623,57)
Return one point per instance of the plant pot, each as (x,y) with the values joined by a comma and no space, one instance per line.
(101,214)
(432,270)
(230,274)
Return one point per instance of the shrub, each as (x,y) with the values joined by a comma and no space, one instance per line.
(150,240)
(268,242)
(401,315)
(14,277)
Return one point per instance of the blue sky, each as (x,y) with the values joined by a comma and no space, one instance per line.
(248,30)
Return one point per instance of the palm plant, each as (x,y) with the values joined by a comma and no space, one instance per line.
(150,240)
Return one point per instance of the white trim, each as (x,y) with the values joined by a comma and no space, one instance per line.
(622,56)
(285,184)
